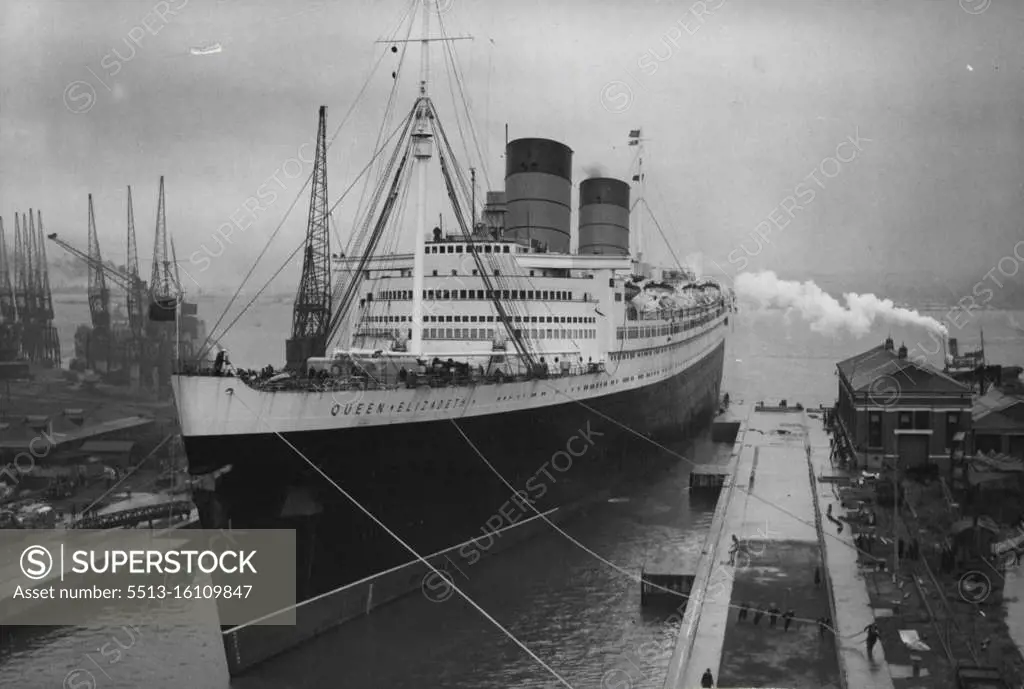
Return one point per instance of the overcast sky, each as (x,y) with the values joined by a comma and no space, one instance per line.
(742,106)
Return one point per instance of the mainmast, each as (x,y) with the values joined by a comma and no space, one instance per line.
(636,140)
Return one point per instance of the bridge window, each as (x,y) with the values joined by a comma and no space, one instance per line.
(505,249)
(458,248)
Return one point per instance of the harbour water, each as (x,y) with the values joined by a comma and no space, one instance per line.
(573,610)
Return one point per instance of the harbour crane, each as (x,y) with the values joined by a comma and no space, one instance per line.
(136,290)
(99,295)
(166,291)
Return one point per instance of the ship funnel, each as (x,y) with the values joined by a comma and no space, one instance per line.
(538,188)
(604,216)
(889,346)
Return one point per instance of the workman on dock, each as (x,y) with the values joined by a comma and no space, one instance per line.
(707,680)
(773,615)
(758,613)
(787,619)
(744,607)
(872,630)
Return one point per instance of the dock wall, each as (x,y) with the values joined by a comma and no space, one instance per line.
(702,578)
(247,646)
(774,498)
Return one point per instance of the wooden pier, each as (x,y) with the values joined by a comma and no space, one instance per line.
(709,476)
(665,581)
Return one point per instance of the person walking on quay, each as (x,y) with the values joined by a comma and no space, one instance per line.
(733,549)
(758,613)
(773,615)
(817,577)
(744,606)
(872,630)
(787,619)
(707,680)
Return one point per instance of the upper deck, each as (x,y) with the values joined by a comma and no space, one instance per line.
(559,303)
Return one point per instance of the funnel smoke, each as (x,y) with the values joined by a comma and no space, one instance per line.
(595,170)
(825,314)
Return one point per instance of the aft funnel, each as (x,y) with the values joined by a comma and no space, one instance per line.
(604,216)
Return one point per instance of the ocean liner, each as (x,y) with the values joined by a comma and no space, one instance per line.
(493,348)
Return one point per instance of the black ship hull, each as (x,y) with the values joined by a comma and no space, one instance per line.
(429,485)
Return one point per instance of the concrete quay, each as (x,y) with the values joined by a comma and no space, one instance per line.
(772,504)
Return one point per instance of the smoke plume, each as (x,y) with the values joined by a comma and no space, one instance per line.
(695,262)
(595,170)
(825,314)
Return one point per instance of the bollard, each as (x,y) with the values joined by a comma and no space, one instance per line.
(915,661)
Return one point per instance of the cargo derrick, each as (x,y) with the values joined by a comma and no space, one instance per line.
(10,329)
(311,314)
(189,332)
(50,354)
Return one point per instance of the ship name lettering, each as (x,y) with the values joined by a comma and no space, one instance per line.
(359,408)
(380,408)
(335,408)
(400,405)
(448,404)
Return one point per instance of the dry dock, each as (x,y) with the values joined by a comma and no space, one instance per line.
(773,505)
